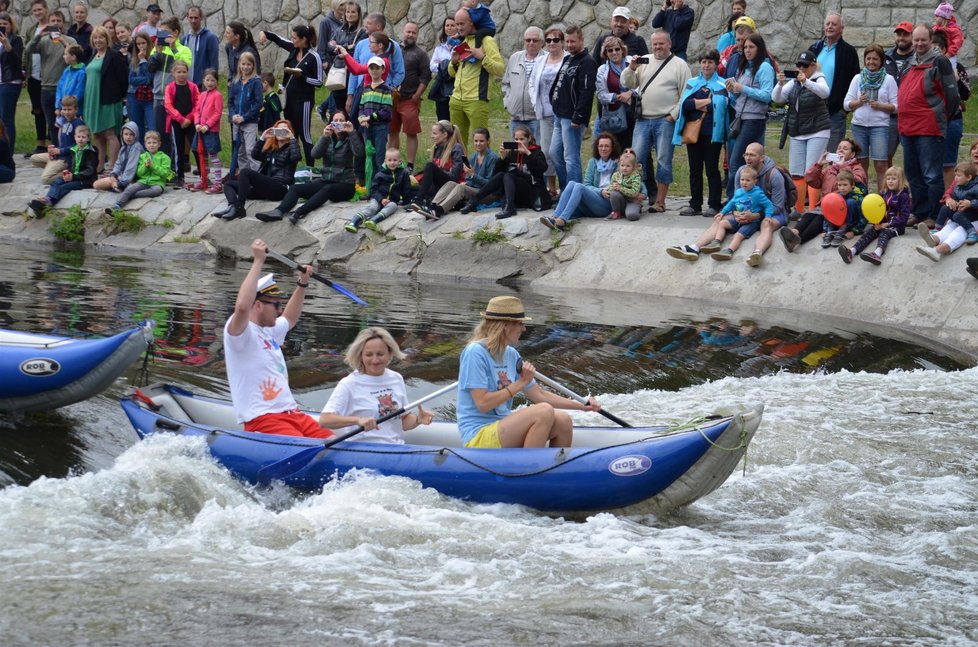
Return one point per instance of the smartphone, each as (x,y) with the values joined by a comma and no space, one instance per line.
(161,36)
(335,125)
(643,60)
(55,35)
(510,146)
(280,132)
(791,74)
(832,157)
(3,31)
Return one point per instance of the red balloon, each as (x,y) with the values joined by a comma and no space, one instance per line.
(834,208)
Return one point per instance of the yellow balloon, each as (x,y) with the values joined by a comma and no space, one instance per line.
(874,208)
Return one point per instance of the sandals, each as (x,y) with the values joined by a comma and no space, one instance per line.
(657,207)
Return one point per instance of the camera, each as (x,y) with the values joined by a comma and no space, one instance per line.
(161,36)
(791,74)
(643,60)
(335,125)
(833,157)
(510,146)
(280,132)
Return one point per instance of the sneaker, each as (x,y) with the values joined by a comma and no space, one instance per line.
(871,257)
(38,205)
(755,259)
(794,216)
(214,188)
(790,239)
(710,212)
(827,239)
(196,186)
(350,227)
(846,254)
(838,238)
(371,225)
(415,206)
(924,232)
(108,211)
(712,246)
(614,215)
(689,211)
(929,252)
(972,238)
(684,253)
(972,263)
(549,222)
(724,254)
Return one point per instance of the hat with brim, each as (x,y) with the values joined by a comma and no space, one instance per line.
(268,288)
(505,309)
(906,26)
(155,8)
(621,12)
(376,61)
(745,21)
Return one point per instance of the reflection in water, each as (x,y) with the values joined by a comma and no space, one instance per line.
(190,299)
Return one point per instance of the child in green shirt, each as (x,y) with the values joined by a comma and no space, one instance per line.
(152,173)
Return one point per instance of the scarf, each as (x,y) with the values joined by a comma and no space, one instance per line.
(871,80)
(606,166)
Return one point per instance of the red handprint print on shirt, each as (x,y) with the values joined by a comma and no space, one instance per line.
(268,390)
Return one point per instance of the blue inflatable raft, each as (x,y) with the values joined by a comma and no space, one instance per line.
(634,470)
(43,372)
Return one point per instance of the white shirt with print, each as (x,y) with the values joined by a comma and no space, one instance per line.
(368,396)
(256,369)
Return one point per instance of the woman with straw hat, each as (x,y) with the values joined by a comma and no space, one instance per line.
(488,380)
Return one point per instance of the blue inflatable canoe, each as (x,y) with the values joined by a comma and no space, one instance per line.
(634,470)
(42,372)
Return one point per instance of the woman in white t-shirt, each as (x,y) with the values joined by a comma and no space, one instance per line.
(371,391)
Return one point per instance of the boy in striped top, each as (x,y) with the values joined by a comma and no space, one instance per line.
(376,108)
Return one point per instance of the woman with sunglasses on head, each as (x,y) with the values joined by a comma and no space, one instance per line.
(278,152)
(611,92)
(541,80)
(808,122)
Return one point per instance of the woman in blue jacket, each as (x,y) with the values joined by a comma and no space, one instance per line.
(750,91)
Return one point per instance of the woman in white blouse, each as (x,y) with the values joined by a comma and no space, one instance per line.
(871,99)
(541,81)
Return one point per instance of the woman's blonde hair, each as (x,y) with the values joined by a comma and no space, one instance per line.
(491,333)
(355,350)
(454,137)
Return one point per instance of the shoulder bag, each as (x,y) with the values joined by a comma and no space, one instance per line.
(637,97)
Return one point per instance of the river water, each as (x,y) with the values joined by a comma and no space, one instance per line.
(853,521)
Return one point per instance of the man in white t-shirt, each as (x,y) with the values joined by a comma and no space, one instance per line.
(253,337)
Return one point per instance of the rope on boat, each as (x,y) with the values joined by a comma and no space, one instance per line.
(561,459)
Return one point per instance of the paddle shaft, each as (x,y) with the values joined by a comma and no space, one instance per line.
(570,394)
(322,279)
(288,466)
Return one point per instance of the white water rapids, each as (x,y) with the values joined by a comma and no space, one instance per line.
(855,524)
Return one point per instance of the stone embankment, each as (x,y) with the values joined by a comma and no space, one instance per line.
(933,302)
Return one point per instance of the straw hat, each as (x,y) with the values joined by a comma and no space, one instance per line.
(505,309)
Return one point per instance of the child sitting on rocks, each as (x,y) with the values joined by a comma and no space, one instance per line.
(124,171)
(626,183)
(80,172)
(391,184)
(54,160)
(960,213)
(153,171)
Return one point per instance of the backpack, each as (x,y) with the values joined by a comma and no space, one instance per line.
(790,190)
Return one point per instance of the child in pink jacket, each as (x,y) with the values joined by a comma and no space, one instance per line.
(179,101)
(207,140)
(944,21)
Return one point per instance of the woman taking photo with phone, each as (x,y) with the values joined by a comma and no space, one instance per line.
(519,176)
(277,151)
(303,74)
(807,122)
(11,73)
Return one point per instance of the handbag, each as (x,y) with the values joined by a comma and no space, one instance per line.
(336,77)
(615,121)
(691,131)
(735,127)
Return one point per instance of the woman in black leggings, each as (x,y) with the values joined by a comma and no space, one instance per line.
(338,147)
(278,152)
(519,177)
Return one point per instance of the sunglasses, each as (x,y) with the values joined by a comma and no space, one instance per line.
(612,49)
(275,304)
(799,64)
(531,40)
(554,40)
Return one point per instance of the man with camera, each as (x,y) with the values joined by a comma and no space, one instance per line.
(677,19)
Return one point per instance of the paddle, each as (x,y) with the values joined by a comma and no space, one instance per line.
(570,394)
(288,466)
(322,279)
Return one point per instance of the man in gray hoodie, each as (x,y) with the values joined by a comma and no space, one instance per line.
(516,83)
(48,45)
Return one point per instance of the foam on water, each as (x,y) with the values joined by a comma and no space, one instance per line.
(855,523)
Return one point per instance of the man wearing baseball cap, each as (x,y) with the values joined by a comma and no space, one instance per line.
(253,337)
(150,25)
(619,27)
(896,62)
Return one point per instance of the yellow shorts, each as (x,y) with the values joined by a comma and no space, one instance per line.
(486,438)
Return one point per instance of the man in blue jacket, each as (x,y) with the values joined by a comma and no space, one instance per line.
(202,43)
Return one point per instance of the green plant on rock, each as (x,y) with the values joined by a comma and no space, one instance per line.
(168,223)
(487,236)
(186,239)
(458,235)
(69,227)
(122,221)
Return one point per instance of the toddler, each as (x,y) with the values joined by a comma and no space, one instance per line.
(207,138)
(124,171)
(481,17)
(626,183)
(944,21)
(72,81)
(152,173)
(834,235)
(80,172)
(894,223)
(180,100)
(957,215)
(53,161)
(391,184)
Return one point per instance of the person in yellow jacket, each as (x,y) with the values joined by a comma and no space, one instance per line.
(468,106)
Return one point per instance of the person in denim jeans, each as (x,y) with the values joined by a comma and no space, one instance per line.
(750,91)
(660,91)
(571,97)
